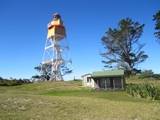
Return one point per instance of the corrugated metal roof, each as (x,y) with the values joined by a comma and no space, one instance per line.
(108,73)
(89,74)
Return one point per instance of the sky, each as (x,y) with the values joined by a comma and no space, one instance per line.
(23,30)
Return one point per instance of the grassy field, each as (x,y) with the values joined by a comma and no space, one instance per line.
(71,101)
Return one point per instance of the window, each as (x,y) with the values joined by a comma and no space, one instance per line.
(117,82)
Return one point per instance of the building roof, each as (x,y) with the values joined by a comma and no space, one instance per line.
(88,74)
(108,73)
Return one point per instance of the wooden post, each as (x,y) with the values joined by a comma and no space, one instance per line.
(113,84)
(97,82)
(122,82)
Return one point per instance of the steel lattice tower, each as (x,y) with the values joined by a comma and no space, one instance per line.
(53,60)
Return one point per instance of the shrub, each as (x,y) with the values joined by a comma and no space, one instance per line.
(14,82)
(149,74)
(144,91)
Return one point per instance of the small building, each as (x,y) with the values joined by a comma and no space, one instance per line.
(109,79)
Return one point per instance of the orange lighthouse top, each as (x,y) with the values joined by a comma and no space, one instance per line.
(56,29)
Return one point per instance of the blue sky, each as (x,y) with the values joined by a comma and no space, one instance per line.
(23,32)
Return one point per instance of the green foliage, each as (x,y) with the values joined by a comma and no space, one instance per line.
(45,71)
(13,82)
(144,91)
(156,18)
(122,46)
(149,74)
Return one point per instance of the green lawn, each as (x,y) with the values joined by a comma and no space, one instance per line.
(71,101)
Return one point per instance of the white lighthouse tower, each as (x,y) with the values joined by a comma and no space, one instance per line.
(53,58)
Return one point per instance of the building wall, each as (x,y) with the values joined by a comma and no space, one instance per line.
(103,82)
(88,81)
(110,82)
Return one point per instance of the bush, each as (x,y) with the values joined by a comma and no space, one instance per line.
(149,74)
(154,76)
(144,91)
(6,82)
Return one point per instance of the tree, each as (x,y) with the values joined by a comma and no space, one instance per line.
(147,72)
(122,46)
(156,18)
(44,70)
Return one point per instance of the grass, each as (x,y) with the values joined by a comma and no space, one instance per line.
(71,101)
(137,80)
